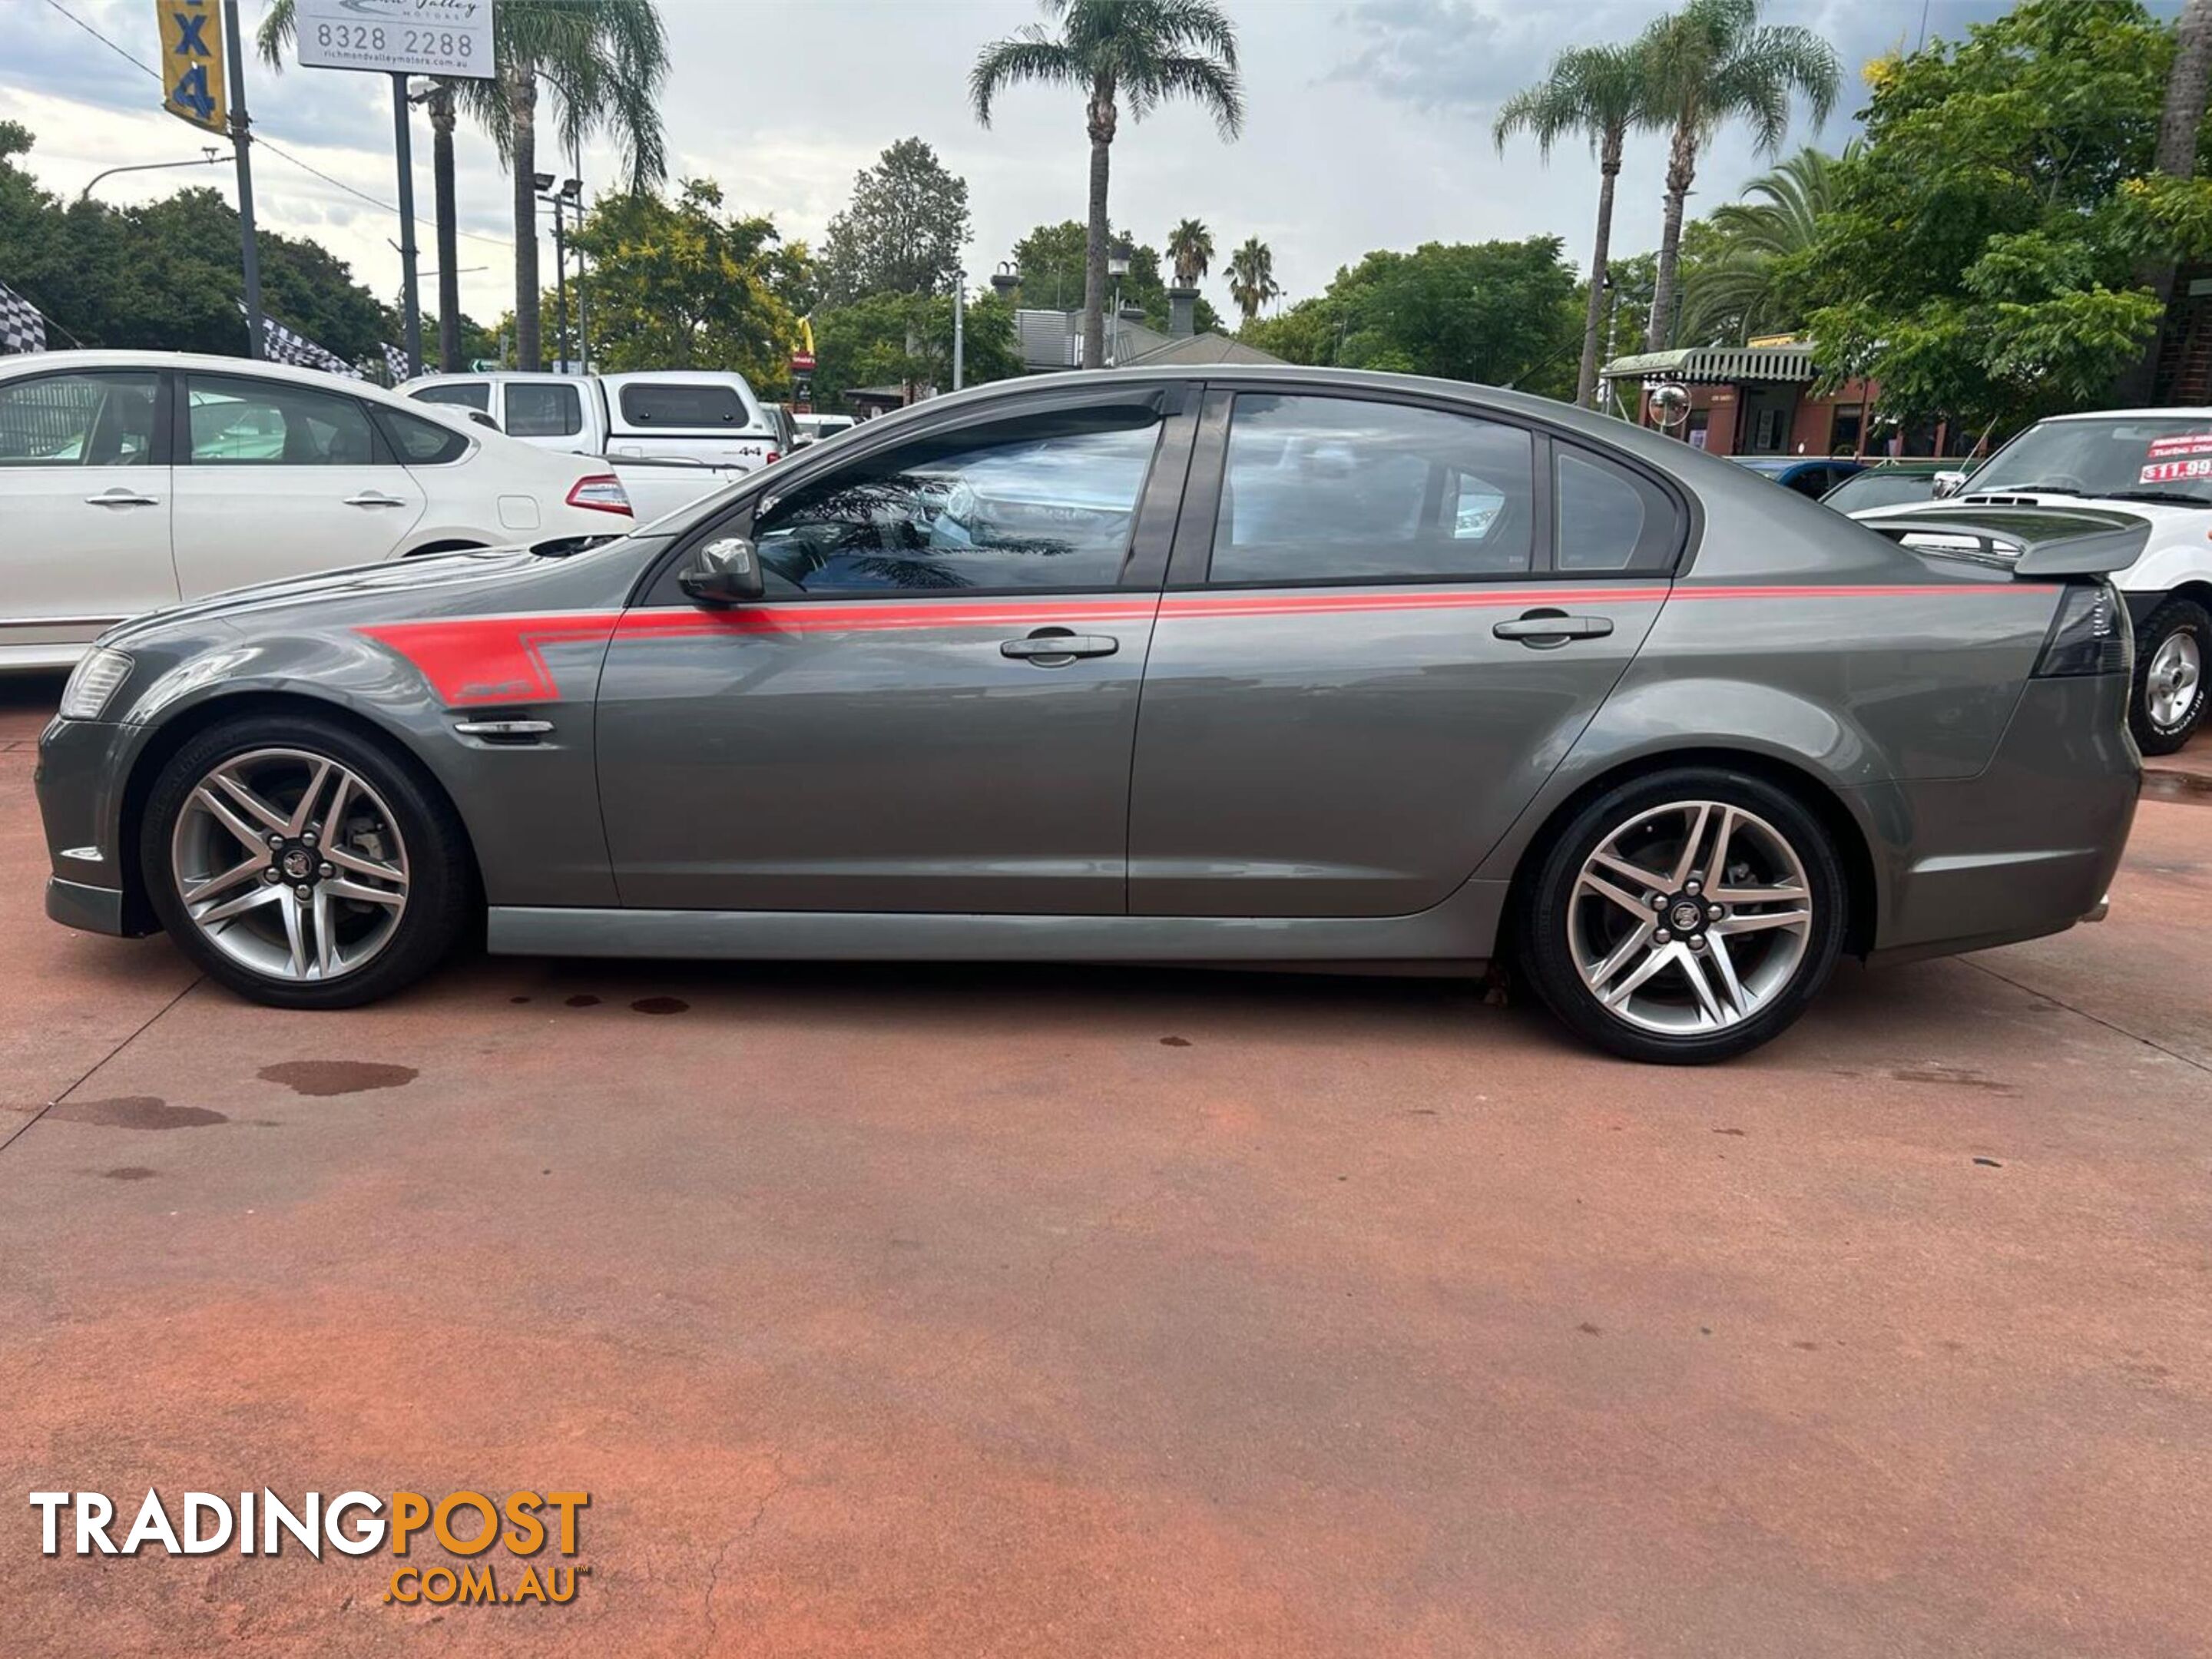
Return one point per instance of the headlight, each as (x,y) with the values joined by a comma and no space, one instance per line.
(94,681)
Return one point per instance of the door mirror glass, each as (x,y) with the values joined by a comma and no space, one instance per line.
(1949,483)
(723,571)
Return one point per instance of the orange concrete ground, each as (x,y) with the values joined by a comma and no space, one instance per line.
(1084,1313)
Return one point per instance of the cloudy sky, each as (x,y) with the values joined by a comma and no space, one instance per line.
(1368,126)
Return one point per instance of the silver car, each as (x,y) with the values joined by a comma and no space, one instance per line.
(1261,666)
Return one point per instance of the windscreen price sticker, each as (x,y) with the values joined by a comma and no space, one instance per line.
(397,37)
(2179,443)
(2176,471)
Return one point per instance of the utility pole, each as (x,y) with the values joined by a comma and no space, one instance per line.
(411,298)
(241,139)
(959,329)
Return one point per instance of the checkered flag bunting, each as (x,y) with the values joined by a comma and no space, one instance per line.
(22,328)
(280,345)
(395,362)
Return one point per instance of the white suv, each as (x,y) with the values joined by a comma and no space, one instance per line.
(131,480)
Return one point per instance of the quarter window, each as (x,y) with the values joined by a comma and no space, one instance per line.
(1337,489)
(419,442)
(1041,507)
(1609,518)
(77,420)
(272,423)
(543,411)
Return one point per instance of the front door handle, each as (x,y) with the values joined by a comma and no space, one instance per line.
(119,496)
(373,498)
(1051,648)
(1543,629)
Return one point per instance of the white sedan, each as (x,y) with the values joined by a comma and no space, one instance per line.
(131,480)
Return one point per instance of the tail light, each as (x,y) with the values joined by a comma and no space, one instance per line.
(602,492)
(2091,636)
(772,458)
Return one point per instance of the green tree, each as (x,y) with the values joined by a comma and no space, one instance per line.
(683,284)
(1978,258)
(1190,246)
(1252,283)
(1731,288)
(1711,63)
(1051,260)
(1140,52)
(906,339)
(903,231)
(1599,92)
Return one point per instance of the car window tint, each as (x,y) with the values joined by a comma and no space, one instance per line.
(1337,489)
(418,442)
(241,422)
(543,411)
(470,394)
(1031,509)
(711,407)
(1877,489)
(1608,518)
(77,420)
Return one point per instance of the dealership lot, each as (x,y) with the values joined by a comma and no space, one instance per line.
(1000,1311)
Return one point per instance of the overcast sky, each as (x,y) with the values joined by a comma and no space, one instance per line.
(1368,126)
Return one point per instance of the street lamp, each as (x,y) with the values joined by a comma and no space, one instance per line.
(207,159)
(570,195)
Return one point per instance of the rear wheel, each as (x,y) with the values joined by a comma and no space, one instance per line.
(1685,917)
(303,866)
(2172,650)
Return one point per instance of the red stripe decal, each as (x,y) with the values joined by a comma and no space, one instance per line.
(479,660)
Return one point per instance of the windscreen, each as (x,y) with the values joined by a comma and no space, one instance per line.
(2143,456)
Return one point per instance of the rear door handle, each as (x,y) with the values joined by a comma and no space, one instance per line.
(373,498)
(1049,648)
(119,496)
(1543,629)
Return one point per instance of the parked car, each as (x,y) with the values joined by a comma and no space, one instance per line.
(816,427)
(789,437)
(1886,483)
(130,480)
(1430,674)
(2157,465)
(1809,475)
(673,435)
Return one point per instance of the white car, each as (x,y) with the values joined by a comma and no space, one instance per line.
(2153,464)
(132,480)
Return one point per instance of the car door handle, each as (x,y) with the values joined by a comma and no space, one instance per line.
(373,498)
(120,497)
(1049,648)
(1543,629)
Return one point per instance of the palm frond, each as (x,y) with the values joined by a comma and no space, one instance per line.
(1030,56)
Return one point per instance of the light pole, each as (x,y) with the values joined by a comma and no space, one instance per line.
(1117,267)
(959,329)
(208,157)
(570,195)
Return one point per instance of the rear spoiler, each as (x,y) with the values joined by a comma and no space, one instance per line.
(2027,541)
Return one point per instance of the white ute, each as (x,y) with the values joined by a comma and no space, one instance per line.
(671,435)
(2155,464)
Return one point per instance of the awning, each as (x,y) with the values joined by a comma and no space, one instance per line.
(1711,363)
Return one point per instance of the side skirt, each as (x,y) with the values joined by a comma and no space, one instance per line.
(1460,932)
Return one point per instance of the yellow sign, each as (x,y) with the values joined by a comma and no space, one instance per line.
(1758,340)
(191,61)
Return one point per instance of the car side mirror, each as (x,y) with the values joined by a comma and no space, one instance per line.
(724,571)
(1949,483)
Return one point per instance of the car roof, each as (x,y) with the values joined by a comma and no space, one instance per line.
(2194,410)
(64,362)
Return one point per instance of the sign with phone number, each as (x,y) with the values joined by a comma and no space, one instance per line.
(398,37)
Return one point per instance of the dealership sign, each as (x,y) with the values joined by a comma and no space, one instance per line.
(397,37)
(191,63)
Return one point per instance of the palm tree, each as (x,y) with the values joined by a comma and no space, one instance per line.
(1600,91)
(604,60)
(1736,290)
(1252,278)
(1190,246)
(1137,51)
(1707,65)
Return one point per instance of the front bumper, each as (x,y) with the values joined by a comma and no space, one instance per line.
(91,909)
(82,766)
(2027,847)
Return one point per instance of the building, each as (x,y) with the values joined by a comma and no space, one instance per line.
(1762,398)
(1052,341)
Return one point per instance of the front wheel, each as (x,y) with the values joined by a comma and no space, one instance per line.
(2171,652)
(1685,917)
(302,864)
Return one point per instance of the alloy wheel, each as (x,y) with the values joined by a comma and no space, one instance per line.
(290,863)
(2177,669)
(1690,917)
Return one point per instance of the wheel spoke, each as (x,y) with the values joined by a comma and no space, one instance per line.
(238,907)
(1644,969)
(227,816)
(341,888)
(200,891)
(270,817)
(1628,902)
(1740,923)
(1688,860)
(346,859)
(1777,895)
(1693,969)
(304,813)
(327,943)
(295,935)
(1732,991)
(1717,866)
(1597,977)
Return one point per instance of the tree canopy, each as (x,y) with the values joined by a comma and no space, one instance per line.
(1050,260)
(906,339)
(903,231)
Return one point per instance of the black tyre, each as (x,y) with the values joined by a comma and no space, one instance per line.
(1684,917)
(2172,649)
(302,864)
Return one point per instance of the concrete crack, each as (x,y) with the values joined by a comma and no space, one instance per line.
(21,1129)
(2095,1019)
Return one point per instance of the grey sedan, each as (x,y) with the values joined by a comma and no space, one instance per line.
(1235,666)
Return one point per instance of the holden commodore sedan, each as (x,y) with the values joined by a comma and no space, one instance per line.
(1283,666)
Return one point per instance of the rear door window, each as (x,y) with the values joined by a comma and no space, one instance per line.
(704,407)
(543,411)
(105,419)
(237,421)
